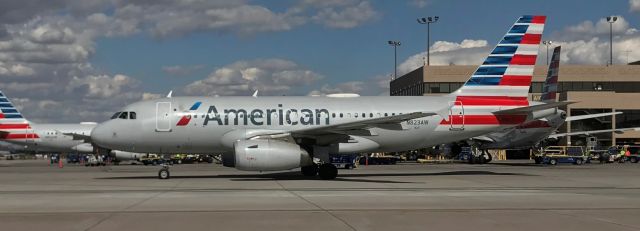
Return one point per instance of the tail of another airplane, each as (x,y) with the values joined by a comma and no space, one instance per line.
(12,124)
(504,77)
(550,87)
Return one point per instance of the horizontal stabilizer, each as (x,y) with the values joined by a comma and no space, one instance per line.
(582,117)
(539,107)
(587,133)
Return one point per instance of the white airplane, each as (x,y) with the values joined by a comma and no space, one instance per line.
(530,134)
(282,133)
(47,138)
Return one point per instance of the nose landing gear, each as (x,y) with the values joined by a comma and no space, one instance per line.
(163,174)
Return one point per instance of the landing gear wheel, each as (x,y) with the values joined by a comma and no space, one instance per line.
(310,170)
(327,171)
(163,174)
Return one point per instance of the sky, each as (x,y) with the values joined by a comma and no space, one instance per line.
(81,60)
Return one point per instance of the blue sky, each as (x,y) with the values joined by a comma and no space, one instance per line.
(73,60)
(339,54)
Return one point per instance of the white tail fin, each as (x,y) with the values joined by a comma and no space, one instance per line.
(506,73)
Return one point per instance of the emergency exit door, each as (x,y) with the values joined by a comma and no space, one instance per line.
(456,116)
(163,117)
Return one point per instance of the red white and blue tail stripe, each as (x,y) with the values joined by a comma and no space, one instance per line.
(550,87)
(503,79)
(506,73)
(12,124)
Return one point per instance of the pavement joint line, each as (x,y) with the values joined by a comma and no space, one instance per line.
(317,206)
(318,210)
(596,218)
(110,215)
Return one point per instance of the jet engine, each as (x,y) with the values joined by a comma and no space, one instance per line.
(266,155)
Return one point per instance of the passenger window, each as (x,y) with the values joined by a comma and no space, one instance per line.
(115,115)
(132,115)
(341,115)
(355,115)
(333,115)
(124,115)
(371,115)
(386,114)
(364,115)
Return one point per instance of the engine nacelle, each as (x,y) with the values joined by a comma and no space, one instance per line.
(266,155)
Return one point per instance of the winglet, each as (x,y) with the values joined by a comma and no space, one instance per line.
(255,94)
(170,93)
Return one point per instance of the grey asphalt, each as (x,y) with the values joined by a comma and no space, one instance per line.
(506,195)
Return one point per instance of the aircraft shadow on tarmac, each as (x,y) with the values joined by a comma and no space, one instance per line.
(348,177)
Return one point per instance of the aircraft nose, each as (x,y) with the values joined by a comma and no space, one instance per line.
(101,135)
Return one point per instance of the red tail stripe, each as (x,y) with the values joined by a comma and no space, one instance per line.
(538,19)
(14,126)
(485,120)
(515,80)
(531,39)
(9,136)
(492,101)
(523,60)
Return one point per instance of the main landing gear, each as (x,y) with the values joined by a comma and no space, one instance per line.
(326,171)
(163,174)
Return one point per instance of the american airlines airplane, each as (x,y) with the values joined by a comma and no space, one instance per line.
(47,138)
(529,134)
(282,133)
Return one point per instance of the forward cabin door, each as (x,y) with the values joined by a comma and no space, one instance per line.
(456,115)
(163,117)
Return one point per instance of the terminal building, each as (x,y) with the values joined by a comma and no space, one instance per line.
(596,89)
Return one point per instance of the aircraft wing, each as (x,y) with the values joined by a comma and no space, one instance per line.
(533,108)
(618,130)
(582,117)
(389,122)
(85,138)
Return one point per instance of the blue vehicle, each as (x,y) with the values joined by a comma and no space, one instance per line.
(346,161)
(553,155)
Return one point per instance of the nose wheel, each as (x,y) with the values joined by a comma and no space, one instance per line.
(163,174)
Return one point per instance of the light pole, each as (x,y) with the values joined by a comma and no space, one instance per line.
(611,20)
(547,43)
(428,21)
(395,45)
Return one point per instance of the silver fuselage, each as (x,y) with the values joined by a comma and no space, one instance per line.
(155,129)
(52,138)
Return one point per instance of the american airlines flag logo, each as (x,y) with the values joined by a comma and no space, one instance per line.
(186,118)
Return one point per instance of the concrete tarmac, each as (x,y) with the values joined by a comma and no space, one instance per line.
(499,196)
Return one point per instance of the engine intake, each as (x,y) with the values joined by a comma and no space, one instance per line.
(266,155)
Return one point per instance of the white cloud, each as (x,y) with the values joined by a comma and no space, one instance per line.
(418,3)
(270,76)
(102,86)
(179,70)
(467,52)
(634,5)
(347,17)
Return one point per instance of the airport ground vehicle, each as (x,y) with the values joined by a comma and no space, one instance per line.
(379,160)
(346,161)
(151,159)
(562,154)
(74,158)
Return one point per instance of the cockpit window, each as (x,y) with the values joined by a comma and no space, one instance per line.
(115,115)
(132,115)
(124,115)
